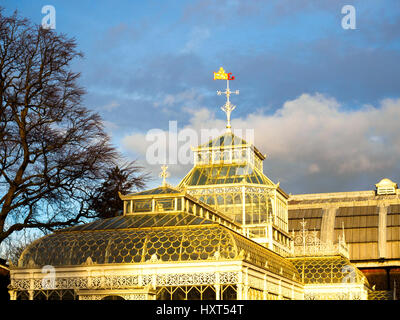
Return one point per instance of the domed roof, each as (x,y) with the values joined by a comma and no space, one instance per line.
(227,141)
(141,238)
(224,174)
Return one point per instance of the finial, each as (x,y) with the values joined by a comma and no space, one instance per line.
(303,224)
(164,174)
(228,107)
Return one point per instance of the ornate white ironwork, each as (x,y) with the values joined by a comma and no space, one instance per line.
(121,281)
(92,297)
(228,277)
(185,279)
(132,281)
(228,107)
(333,296)
(125,296)
(207,190)
(307,243)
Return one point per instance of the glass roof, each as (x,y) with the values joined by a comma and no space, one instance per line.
(226,140)
(143,221)
(139,238)
(159,190)
(224,174)
(131,246)
(332,269)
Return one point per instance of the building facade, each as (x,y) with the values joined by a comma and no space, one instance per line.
(370,223)
(226,231)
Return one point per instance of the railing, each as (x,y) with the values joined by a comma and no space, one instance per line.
(321,249)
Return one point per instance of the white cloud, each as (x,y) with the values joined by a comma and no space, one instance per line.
(197,36)
(189,98)
(110,126)
(313,168)
(312,136)
(315,129)
(111,106)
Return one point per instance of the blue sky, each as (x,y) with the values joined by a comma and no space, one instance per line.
(149,62)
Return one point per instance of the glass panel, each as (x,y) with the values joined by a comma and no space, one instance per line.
(158,220)
(142,206)
(68,295)
(210,200)
(186,220)
(224,171)
(136,220)
(179,294)
(22,295)
(203,178)
(147,222)
(229,293)
(202,221)
(175,219)
(195,177)
(115,223)
(194,294)
(209,294)
(238,198)
(230,180)
(90,226)
(221,174)
(190,207)
(160,190)
(163,294)
(99,224)
(127,206)
(54,295)
(165,205)
(39,295)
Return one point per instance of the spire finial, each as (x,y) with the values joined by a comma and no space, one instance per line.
(228,107)
(164,174)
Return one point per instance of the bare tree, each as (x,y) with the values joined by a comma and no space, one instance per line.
(125,179)
(54,153)
(14,246)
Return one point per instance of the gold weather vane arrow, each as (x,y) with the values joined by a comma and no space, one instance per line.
(228,107)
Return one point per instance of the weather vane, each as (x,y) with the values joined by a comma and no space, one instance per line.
(164,174)
(228,107)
